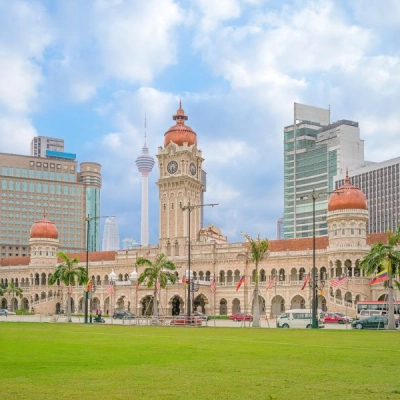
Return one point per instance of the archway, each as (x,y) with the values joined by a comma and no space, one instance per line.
(58,308)
(121,303)
(223,307)
(14,304)
(277,306)
(199,303)
(298,302)
(147,305)
(177,305)
(25,304)
(3,303)
(235,306)
(95,304)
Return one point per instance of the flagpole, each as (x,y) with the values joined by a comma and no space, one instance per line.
(345,302)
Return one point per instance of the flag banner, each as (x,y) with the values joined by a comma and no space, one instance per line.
(158,285)
(240,283)
(338,281)
(212,286)
(192,286)
(306,280)
(271,282)
(184,279)
(89,285)
(110,289)
(378,278)
(70,289)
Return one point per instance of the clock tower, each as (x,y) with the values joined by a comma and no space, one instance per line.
(181,182)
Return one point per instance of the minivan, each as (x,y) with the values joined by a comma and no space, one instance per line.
(298,318)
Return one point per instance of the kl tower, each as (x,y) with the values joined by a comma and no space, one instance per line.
(145,164)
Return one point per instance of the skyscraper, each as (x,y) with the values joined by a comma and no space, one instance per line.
(54,186)
(145,164)
(315,151)
(111,235)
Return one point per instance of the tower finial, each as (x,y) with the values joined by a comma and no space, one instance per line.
(145,129)
(347,176)
(180,102)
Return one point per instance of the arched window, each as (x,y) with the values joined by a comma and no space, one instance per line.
(343,228)
(168,249)
(359,229)
(176,248)
(335,230)
(352,228)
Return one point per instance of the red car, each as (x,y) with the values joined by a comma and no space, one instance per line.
(241,317)
(334,318)
(180,320)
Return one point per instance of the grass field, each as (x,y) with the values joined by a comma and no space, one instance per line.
(71,361)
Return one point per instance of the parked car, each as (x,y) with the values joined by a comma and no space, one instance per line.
(201,315)
(122,314)
(349,319)
(330,318)
(241,317)
(376,322)
(182,320)
(3,311)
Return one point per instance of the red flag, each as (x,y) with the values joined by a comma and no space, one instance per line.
(240,283)
(212,286)
(306,280)
(110,289)
(272,282)
(183,279)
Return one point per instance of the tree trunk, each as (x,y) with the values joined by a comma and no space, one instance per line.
(69,305)
(155,308)
(256,304)
(391,323)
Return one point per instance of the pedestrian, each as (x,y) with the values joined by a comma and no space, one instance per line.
(97,311)
(107,312)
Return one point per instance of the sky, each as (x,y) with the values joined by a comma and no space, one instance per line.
(89,71)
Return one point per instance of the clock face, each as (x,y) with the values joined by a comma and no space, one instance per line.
(172,167)
(192,168)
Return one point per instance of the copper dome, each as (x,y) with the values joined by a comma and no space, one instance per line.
(347,197)
(180,133)
(44,229)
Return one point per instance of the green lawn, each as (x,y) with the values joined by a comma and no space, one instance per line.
(71,361)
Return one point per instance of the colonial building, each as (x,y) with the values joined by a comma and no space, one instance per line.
(181,183)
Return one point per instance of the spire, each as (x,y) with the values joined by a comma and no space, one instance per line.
(145,129)
(347,181)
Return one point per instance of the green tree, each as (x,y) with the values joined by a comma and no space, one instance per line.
(159,270)
(3,288)
(381,257)
(258,248)
(68,273)
(13,291)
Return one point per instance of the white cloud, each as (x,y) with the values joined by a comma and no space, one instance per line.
(16,134)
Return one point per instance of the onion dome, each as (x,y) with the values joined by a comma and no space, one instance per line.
(180,133)
(44,229)
(347,197)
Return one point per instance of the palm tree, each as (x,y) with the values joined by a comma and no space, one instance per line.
(258,248)
(3,288)
(159,270)
(67,273)
(385,257)
(13,291)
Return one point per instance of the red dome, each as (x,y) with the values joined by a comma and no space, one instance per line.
(347,197)
(180,133)
(44,229)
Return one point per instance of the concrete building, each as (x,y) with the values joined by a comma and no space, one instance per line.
(212,257)
(315,151)
(54,186)
(111,235)
(40,145)
(381,184)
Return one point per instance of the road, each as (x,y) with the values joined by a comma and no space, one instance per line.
(218,323)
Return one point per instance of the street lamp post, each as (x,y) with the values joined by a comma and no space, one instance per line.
(314,283)
(190,208)
(88,219)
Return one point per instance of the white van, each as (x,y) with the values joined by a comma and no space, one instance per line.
(297,318)
(371,313)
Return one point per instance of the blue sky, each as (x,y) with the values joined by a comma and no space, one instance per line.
(88,71)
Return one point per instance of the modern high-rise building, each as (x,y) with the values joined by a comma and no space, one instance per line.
(381,184)
(53,186)
(145,163)
(315,151)
(111,235)
(40,145)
